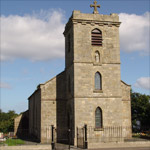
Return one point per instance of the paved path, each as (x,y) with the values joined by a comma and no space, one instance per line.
(128,148)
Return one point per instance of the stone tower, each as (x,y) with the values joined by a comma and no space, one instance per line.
(92,57)
(89,91)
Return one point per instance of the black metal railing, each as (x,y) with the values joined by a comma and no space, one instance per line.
(84,135)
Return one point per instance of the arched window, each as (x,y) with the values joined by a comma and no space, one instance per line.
(98,81)
(97,57)
(98,118)
(96,37)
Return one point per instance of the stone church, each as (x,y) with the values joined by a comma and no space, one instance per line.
(90,90)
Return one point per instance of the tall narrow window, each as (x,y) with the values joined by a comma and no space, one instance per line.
(96,37)
(98,81)
(98,118)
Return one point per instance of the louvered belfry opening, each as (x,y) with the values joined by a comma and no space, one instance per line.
(96,37)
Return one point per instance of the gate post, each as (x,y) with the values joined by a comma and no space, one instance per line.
(53,144)
(85,143)
(69,137)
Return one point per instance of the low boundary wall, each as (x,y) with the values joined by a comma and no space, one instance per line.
(119,144)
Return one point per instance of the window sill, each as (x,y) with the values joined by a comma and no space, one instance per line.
(98,91)
(99,129)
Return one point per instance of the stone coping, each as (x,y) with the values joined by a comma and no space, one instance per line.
(119,144)
(26,147)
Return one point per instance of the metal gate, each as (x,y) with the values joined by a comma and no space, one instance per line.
(63,135)
(60,136)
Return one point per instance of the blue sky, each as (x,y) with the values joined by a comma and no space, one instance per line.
(29,56)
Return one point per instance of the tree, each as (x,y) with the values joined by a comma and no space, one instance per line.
(7,121)
(140,107)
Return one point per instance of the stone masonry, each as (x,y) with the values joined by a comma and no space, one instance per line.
(70,99)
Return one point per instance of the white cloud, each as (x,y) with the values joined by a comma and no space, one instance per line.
(4,85)
(39,36)
(143,82)
(134,32)
(35,37)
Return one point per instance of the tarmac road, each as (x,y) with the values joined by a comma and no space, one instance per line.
(127,148)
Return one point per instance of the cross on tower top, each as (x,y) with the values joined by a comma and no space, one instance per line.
(95,7)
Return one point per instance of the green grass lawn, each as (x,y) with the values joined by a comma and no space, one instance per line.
(1,143)
(13,142)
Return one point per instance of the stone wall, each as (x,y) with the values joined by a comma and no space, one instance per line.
(85,111)
(125,91)
(82,27)
(21,124)
(48,109)
(69,53)
(16,123)
(35,114)
(53,106)
(126,100)
(85,80)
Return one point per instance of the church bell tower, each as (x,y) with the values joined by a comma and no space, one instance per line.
(92,59)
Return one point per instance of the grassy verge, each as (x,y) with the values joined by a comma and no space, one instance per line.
(14,142)
(1,143)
